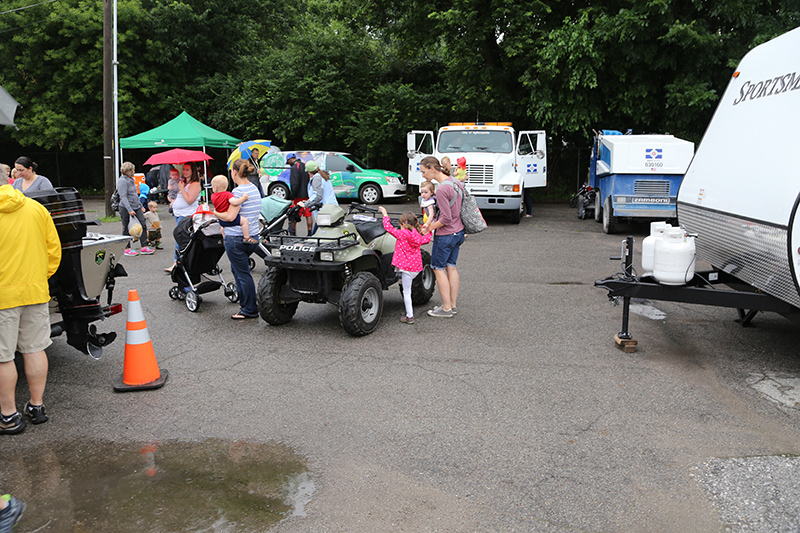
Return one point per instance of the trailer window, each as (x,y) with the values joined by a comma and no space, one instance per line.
(475,141)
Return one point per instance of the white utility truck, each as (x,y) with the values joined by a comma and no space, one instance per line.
(743,210)
(501,163)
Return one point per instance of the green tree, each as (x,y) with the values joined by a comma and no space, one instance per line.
(649,65)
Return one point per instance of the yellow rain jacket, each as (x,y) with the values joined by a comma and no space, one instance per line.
(30,250)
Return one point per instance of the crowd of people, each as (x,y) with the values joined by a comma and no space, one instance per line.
(24,291)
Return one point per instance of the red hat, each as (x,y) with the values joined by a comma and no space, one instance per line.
(462,162)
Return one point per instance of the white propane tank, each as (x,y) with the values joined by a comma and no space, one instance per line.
(648,245)
(673,257)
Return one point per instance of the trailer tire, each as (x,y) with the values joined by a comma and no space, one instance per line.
(581,205)
(609,221)
(598,209)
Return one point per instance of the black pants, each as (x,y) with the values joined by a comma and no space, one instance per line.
(126,218)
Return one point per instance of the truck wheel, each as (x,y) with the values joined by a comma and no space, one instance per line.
(598,209)
(270,307)
(609,221)
(369,194)
(361,304)
(516,214)
(581,205)
(425,283)
(278,189)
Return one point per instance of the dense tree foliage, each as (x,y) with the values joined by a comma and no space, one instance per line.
(357,74)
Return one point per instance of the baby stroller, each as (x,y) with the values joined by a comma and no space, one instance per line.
(274,212)
(200,247)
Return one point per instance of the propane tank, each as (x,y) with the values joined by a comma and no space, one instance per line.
(648,244)
(673,257)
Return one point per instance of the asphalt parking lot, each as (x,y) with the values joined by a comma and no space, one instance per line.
(518,414)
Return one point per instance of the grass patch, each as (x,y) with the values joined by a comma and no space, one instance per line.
(106,220)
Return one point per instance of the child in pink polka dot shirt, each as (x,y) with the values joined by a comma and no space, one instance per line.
(407,258)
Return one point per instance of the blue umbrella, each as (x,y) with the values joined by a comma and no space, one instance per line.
(245,149)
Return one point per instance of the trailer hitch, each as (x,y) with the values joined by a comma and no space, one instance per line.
(624,340)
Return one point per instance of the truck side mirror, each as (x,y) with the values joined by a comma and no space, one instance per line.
(412,154)
(539,154)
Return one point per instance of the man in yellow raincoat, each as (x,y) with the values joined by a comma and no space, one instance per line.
(30,252)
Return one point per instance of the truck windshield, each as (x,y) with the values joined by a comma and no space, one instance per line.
(475,141)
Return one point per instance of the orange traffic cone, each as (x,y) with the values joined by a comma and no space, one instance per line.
(141,368)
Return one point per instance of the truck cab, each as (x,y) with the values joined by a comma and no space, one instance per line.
(501,163)
(636,176)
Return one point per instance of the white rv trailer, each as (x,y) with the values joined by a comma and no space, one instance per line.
(745,209)
(740,196)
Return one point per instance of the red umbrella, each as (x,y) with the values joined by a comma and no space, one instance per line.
(176,156)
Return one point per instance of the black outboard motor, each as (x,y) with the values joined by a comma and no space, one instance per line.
(74,286)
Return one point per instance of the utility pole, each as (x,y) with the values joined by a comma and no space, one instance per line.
(108,106)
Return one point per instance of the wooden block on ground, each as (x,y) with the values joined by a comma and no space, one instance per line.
(626,345)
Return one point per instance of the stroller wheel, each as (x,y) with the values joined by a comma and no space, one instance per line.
(193,301)
(232,292)
(252,263)
(174,293)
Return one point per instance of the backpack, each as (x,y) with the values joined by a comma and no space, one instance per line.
(470,214)
(115,201)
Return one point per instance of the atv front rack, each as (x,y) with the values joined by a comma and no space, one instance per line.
(327,243)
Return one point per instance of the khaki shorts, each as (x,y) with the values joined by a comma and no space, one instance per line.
(25,329)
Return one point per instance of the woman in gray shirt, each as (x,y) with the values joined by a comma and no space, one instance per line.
(27,179)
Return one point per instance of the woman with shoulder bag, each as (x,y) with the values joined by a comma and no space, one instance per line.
(448,238)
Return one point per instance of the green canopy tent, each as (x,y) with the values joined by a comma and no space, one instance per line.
(184,131)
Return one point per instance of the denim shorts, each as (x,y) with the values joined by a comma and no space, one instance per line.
(445,250)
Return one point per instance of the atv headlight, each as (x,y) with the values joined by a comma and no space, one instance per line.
(326,256)
(275,253)
(324,219)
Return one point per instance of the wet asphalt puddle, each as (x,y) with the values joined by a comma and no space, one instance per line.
(220,486)
(643,308)
(780,388)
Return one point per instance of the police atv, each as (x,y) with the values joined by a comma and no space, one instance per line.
(348,262)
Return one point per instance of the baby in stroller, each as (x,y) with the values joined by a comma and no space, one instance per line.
(222,200)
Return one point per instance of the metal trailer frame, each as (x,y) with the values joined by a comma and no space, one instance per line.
(701,289)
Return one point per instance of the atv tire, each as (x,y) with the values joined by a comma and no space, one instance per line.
(270,307)
(424,284)
(361,304)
